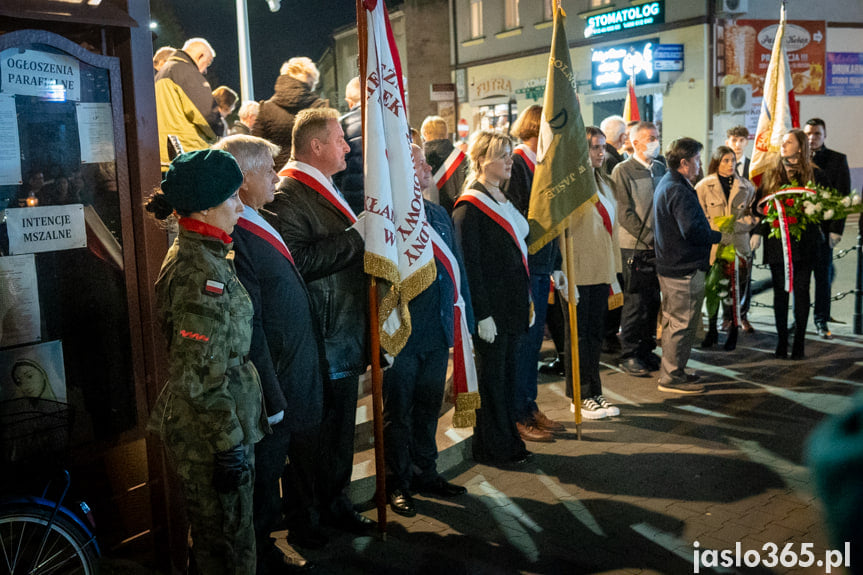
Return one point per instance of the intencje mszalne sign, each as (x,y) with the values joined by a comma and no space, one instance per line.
(46,229)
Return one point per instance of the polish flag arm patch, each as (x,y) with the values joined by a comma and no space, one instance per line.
(213,287)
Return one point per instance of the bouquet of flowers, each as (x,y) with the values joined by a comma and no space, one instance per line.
(720,279)
(795,207)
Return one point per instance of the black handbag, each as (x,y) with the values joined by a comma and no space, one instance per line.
(642,266)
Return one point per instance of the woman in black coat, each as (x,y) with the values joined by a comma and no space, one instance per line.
(491,234)
(795,167)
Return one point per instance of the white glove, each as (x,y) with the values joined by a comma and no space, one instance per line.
(486,329)
(360,226)
(834,239)
(559,279)
(754,242)
(276,417)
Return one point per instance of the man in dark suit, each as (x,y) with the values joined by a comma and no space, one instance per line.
(835,168)
(317,225)
(737,138)
(413,386)
(288,352)
(351,181)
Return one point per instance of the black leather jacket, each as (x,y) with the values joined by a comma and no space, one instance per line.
(330,258)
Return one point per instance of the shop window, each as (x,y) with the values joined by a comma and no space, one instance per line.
(475,18)
(548,7)
(510,14)
(599,3)
(65,236)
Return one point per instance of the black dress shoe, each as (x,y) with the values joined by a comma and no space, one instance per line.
(442,488)
(633,366)
(651,361)
(522,458)
(353,522)
(309,538)
(402,503)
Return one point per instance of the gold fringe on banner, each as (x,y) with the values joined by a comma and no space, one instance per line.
(463,419)
(398,296)
(468,400)
(615,301)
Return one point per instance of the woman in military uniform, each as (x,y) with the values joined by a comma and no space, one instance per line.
(209,413)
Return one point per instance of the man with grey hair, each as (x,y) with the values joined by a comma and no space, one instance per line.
(614,128)
(161,56)
(318,227)
(185,106)
(247,115)
(351,181)
(287,350)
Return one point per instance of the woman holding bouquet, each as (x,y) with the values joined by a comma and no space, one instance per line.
(724,194)
(793,167)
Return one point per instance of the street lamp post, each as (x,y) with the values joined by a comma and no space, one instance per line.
(247,89)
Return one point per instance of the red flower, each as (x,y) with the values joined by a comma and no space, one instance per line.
(789,202)
(792,220)
(775,223)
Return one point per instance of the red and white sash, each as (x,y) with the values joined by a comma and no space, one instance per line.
(614,288)
(528,155)
(448,168)
(501,217)
(313,178)
(784,233)
(464,368)
(252,221)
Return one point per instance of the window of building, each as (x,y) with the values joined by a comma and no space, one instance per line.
(510,14)
(599,3)
(548,9)
(475,18)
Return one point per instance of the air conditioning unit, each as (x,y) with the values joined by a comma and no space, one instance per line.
(735,99)
(733,6)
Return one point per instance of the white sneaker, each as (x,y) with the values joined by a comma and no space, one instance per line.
(610,409)
(592,410)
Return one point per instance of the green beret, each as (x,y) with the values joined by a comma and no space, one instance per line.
(201,179)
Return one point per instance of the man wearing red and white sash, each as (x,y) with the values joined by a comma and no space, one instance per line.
(317,225)
(449,164)
(413,386)
(287,350)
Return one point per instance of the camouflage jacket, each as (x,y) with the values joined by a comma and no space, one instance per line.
(213,393)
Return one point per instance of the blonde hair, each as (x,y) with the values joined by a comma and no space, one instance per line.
(526,126)
(302,69)
(485,147)
(309,124)
(252,153)
(249,109)
(434,128)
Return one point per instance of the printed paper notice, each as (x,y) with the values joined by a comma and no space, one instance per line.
(95,132)
(46,229)
(10,147)
(19,301)
(46,75)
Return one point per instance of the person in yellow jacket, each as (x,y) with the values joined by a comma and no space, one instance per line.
(185,106)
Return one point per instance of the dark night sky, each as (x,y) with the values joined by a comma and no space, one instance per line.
(299,28)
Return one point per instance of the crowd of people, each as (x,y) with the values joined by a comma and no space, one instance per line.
(263,295)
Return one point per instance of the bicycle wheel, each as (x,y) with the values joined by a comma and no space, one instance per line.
(69,548)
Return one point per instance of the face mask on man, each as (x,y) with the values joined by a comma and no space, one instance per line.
(651,149)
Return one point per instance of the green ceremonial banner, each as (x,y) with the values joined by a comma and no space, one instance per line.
(563,179)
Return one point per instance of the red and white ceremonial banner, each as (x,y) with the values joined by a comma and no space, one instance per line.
(398,242)
(776,106)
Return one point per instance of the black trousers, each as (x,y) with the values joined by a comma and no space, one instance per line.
(335,460)
(495,437)
(413,391)
(823,280)
(298,480)
(802,278)
(639,315)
